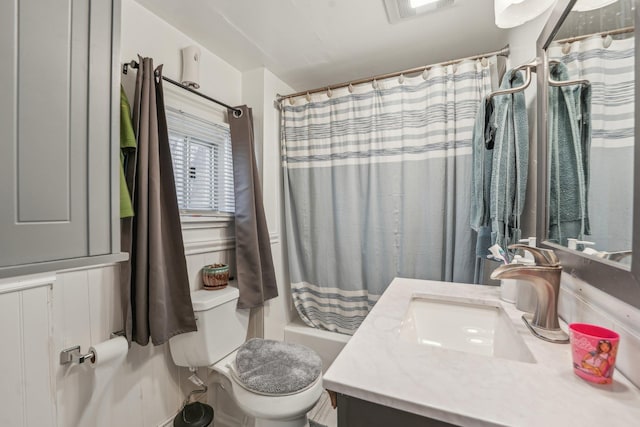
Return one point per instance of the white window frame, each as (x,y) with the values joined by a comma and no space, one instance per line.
(179,100)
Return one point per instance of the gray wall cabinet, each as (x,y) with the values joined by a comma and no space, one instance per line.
(59,131)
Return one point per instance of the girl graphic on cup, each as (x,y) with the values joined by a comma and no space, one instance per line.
(597,362)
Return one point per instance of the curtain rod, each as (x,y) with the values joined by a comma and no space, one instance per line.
(603,33)
(502,52)
(236,111)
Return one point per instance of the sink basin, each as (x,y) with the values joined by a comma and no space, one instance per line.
(478,328)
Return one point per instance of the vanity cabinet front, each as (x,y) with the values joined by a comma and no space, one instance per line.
(354,412)
(58,132)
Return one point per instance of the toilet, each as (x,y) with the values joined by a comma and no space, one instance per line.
(286,397)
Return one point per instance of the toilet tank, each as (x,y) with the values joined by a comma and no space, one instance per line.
(221,329)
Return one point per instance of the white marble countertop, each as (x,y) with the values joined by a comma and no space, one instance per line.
(465,389)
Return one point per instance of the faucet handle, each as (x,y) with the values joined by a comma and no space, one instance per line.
(543,257)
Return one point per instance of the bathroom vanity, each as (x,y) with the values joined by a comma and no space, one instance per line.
(394,373)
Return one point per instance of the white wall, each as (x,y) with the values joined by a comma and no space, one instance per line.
(579,301)
(146,34)
(28,398)
(144,391)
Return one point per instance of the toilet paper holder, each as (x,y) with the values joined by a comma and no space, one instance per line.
(74,355)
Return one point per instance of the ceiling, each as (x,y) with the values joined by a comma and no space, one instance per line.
(314,43)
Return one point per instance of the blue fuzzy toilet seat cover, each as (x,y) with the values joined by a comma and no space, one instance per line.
(276,367)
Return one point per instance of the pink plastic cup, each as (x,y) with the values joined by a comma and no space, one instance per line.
(594,350)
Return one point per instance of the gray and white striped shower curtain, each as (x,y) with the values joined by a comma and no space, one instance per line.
(377,185)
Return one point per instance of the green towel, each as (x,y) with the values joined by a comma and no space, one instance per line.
(127,143)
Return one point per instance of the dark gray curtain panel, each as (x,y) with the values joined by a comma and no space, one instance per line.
(254,264)
(155,278)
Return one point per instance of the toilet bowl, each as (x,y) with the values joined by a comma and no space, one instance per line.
(270,410)
(221,333)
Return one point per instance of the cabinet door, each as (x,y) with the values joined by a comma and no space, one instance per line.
(55,139)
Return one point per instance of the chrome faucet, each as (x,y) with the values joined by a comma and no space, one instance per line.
(545,278)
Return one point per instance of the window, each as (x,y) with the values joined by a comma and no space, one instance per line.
(202,162)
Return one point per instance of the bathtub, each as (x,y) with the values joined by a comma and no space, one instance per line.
(327,344)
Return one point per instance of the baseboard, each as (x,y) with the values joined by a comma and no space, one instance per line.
(168,422)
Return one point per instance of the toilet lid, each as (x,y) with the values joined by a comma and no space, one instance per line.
(276,367)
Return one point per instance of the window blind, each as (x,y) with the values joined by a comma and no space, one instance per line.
(202,162)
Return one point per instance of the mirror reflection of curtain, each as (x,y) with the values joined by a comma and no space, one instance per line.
(611,73)
(377,185)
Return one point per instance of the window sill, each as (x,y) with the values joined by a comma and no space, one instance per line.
(218,220)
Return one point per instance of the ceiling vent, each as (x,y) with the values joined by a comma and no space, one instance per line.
(401,10)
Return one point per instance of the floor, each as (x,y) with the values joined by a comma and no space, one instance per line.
(323,414)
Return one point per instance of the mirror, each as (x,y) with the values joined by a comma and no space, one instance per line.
(587,109)
(590,129)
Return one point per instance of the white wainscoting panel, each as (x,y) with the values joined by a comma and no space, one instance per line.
(25,360)
(83,307)
(148,389)
(195,263)
(144,391)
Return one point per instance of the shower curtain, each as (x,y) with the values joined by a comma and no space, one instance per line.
(377,185)
(611,73)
